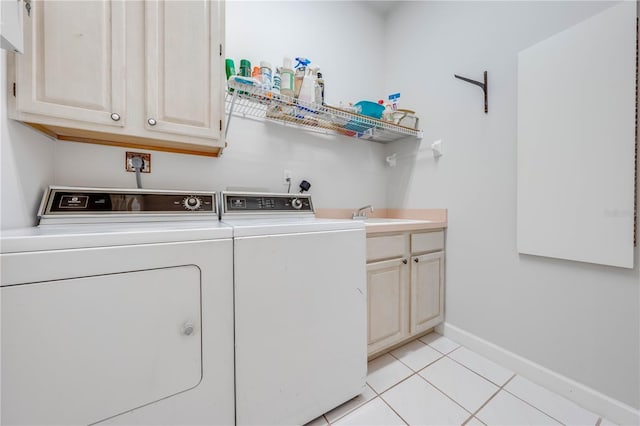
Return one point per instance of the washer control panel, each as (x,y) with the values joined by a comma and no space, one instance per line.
(95,201)
(265,203)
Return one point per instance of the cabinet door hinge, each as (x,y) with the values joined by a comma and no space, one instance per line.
(220,49)
(220,125)
(14,90)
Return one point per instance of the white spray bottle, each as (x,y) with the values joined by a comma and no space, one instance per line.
(307,90)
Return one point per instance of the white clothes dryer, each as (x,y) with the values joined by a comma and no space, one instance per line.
(117,322)
(300,308)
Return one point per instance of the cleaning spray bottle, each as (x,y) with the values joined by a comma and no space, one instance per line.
(307,88)
(301,71)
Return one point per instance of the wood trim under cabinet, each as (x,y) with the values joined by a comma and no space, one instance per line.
(86,136)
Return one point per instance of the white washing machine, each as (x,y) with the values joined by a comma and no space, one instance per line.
(300,308)
(118,309)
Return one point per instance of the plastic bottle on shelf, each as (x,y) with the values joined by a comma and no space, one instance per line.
(265,72)
(275,87)
(319,88)
(230,67)
(387,114)
(307,88)
(393,100)
(297,81)
(245,68)
(256,74)
(286,74)
(301,71)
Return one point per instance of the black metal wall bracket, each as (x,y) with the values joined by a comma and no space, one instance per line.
(484,88)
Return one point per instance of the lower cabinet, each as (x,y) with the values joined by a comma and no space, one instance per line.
(427,301)
(387,304)
(405,285)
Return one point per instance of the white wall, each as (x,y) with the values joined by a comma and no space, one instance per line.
(27,169)
(579,320)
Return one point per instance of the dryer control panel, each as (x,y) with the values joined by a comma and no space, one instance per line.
(258,203)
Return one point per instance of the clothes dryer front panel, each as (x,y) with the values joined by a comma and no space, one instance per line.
(80,350)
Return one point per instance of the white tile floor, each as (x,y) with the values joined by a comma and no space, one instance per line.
(435,381)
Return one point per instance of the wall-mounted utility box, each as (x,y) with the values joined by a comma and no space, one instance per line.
(146,161)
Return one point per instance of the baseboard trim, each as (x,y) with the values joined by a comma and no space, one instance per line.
(582,395)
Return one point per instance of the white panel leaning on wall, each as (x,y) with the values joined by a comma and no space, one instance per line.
(576,141)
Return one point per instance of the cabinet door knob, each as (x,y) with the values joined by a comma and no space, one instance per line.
(152,122)
(404,261)
(416,260)
(115,116)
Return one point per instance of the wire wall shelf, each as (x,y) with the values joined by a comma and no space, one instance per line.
(249,101)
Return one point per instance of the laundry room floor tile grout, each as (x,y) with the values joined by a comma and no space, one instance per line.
(502,405)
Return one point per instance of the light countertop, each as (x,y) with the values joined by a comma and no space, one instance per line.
(394,220)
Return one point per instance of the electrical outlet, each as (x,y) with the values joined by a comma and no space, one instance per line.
(287,177)
(146,158)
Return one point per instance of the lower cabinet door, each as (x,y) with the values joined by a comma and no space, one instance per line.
(388,303)
(427,291)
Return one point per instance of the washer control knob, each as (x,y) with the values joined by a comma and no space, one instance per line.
(192,203)
(296,203)
(188,328)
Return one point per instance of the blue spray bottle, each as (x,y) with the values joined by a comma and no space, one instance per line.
(300,70)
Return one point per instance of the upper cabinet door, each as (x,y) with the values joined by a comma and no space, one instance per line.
(183,63)
(74,61)
(11,35)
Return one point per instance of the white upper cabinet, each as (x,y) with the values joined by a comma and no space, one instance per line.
(185,100)
(74,65)
(11,37)
(140,74)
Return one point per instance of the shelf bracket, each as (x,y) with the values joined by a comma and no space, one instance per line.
(483,86)
(233,103)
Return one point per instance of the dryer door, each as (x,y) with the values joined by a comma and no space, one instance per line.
(77,351)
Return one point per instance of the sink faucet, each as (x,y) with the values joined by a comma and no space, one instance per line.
(361,213)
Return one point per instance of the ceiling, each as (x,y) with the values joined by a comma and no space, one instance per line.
(382,7)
